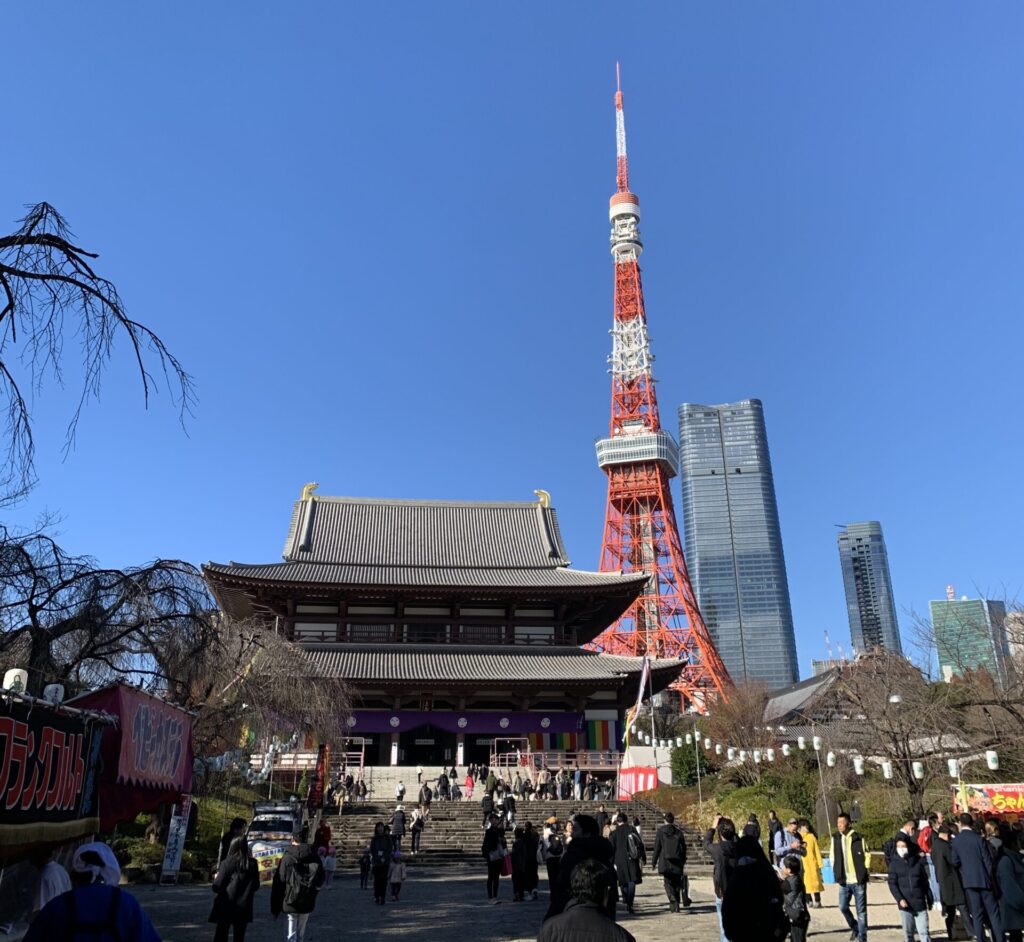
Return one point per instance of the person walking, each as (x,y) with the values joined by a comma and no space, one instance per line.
(234,886)
(400,791)
(851,875)
(752,905)
(755,827)
(911,888)
(812,863)
(297,881)
(549,850)
(419,774)
(95,899)
(531,876)
(518,855)
(494,850)
(425,797)
(329,858)
(396,875)
(1010,883)
(469,786)
(397,826)
(774,826)
(795,897)
(951,889)
(585,843)
(381,850)
(235,829)
(419,820)
(669,859)
(972,857)
(723,857)
(585,916)
(630,857)
(487,807)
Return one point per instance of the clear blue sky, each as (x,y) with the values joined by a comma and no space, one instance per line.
(377,236)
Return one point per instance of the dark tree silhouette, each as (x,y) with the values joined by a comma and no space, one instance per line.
(49,292)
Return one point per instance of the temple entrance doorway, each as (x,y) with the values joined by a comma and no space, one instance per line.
(426,745)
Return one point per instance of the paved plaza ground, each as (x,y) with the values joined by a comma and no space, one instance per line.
(450,904)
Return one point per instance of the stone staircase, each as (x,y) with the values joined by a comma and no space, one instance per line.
(454,830)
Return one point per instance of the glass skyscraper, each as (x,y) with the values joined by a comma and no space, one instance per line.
(970,634)
(868,586)
(733,541)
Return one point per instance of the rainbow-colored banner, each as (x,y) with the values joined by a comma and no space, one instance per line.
(601,735)
(553,742)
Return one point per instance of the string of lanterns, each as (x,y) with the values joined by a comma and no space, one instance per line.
(768,754)
(239,759)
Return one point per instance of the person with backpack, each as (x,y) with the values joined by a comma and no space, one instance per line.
(398,827)
(752,904)
(550,849)
(669,859)
(297,881)
(723,856)
(95,909)
(795,897)
(381,850)
(236,883)
(629,860)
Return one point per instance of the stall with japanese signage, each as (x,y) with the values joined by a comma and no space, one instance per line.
(1004,801)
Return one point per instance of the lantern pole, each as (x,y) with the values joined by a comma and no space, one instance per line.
(821,777)
(696,753)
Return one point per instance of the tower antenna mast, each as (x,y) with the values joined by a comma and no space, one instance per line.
(640,458)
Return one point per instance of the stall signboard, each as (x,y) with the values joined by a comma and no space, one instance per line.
(176,841)
(267,856)
(1005,801)
(48,774)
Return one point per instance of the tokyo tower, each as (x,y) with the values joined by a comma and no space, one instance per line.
(640,457)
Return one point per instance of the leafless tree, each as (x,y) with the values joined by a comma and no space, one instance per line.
(48,290)
(739,723)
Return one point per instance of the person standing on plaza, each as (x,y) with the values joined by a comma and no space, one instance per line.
(669,859)
(755,827)
(851,874)
(911,888)
(951,890)
(364,867)
(774,826)
(752,905)
(787,842)
(297,881)
(925,839)
(494,851)
(234,886)
(585,916)
(329,858)
(532,878)
(812,863)
(236,829)
(972,857)
(630,857)
(549,850)
(723,856)
(381,850)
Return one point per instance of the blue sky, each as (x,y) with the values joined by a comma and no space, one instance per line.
(377,236)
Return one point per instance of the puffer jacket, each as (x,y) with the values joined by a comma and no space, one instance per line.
(1010,878)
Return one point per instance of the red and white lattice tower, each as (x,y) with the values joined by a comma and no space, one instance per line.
(639,457)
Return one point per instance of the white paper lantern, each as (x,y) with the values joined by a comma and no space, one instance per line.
(992,758)
(689,739)
(16,680)
(817,743)
(53,693)
(718,748)
(887,769)
(858,765)
(770,755)
(757,756)
(786,749)
(679,741)
(954,768)
(707,743)
(743,755)
(830,760)
(918,768)
(731,754)
(801,743)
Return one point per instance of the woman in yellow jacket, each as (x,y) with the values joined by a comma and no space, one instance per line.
(812,863)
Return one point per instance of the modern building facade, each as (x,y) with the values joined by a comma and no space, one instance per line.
(970,634)
(733,540)
(868,586)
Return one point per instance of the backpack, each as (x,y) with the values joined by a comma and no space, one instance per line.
(300,890)
(672,844)
(889,850)
(106,929)
(555,848)
(634,846)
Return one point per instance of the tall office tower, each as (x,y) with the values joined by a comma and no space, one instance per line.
(970,634)
(733,541)
(868,586)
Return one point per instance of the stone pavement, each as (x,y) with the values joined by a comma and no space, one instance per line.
(450,903)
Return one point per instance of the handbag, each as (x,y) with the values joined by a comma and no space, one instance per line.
(506,866)
(496,854)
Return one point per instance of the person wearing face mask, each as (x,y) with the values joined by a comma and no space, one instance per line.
(911,888)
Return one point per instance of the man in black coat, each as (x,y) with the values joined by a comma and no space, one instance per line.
(973,859)
(723,857)
(910,887)
(586,914)
(851,873)
(951,890)
(670,860)
(297,880)
(630,857)
(586,844)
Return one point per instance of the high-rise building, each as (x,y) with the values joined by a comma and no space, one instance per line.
(869,599)
(970,634)
(733,541)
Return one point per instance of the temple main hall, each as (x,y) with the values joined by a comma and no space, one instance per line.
(458,625)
